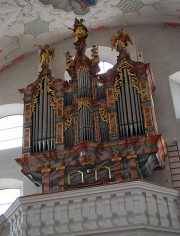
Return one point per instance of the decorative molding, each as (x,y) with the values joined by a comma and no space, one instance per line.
(121,208)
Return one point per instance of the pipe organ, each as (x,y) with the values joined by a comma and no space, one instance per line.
(94,129)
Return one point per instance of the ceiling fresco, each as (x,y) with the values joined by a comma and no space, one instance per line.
(25,22)
(79,7)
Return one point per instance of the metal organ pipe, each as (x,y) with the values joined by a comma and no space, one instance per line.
(43,119)
(85,115)
(44,123)
(48,122)
(36,127)
(40,120)
(129,110)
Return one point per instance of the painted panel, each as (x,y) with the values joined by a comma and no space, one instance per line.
(59,133)
(26,138)
(27,113)
(27,154)
(144,91)
(59,111)
(110,97)
(96,118)
(76,130)
(113,123)
(147,117)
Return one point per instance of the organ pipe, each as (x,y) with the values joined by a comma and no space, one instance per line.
(129,111)
(43,121)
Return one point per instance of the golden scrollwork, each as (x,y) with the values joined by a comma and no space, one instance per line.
(118,84)
(119,78)
(52,94)
(68,122)
(135,84)
(94,54)
(36,93)
(39,87)
(85,103)
(103,115)
(82,68)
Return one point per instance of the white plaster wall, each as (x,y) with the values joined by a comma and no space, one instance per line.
(160,47)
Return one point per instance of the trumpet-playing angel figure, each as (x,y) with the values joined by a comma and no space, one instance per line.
(121,39)
(46,54)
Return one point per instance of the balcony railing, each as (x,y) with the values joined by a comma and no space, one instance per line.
(138,208)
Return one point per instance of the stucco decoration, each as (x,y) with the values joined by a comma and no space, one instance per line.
(36,27)
(79,7)
(127,6)
(25,22)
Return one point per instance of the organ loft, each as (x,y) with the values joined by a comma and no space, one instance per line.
(94,129)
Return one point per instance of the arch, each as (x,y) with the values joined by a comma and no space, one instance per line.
(105,54)
(10,190)
(102,167)
(74,172)
(11,129)
(11,109)
(8,183)
(174,81)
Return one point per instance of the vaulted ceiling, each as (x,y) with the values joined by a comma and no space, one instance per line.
(25,22)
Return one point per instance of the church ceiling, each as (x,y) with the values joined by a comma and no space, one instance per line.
(25,22)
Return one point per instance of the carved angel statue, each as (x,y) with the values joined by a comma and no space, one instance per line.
(121,39)
(47,54)
(80,32)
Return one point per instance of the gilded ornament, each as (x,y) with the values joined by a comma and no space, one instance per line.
(68,122)
(47,54)
(52,94)
(45,170)
(118,84)
(116,159)
(82,68)
(121,39)
(94,54)
(102,167)
(119,78)
(49,91)
(132,156)
(85,103)
(103,115)
(36,93)
(60,168)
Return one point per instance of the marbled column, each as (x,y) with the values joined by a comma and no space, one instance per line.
(133,166)
(117,168)
(60,172)
(46,176)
